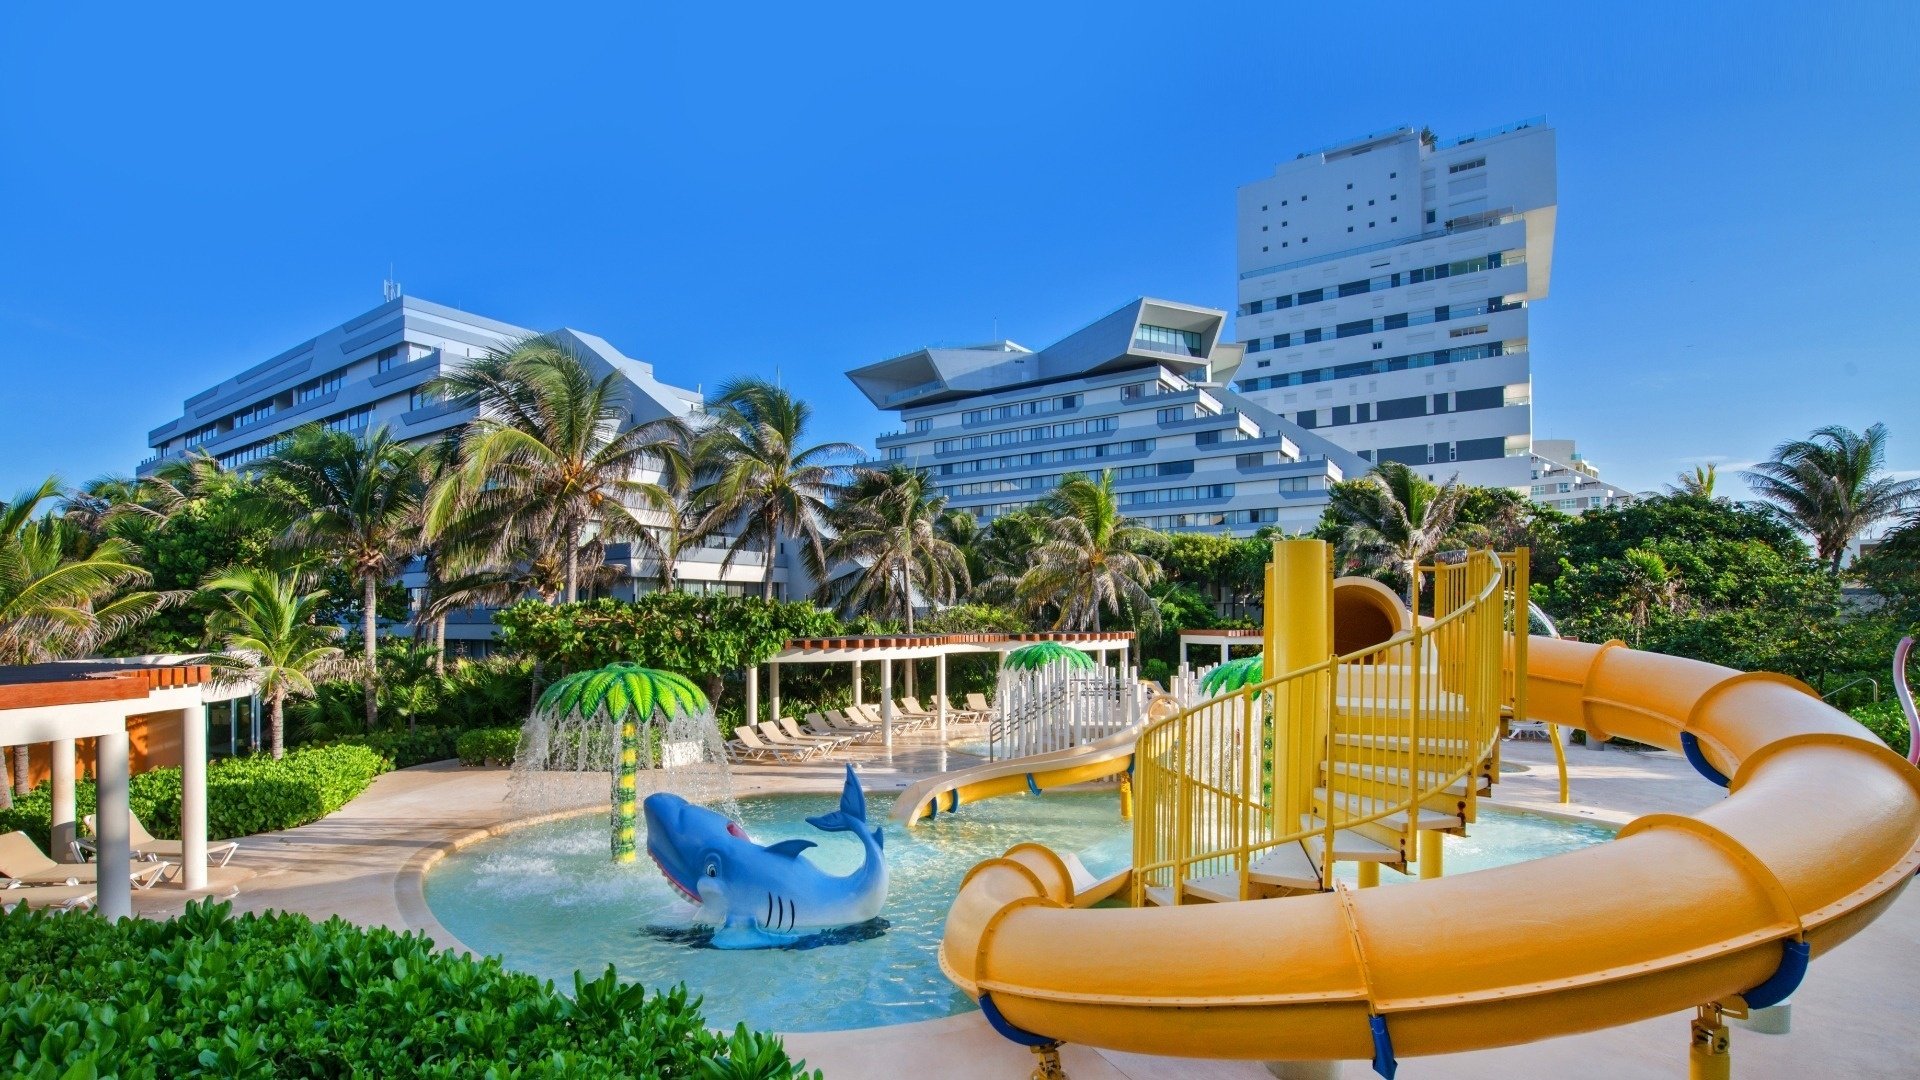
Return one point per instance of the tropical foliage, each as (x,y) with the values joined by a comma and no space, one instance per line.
(271,640)
(1833,486)
(1395,518)
(889,535)
(1089,562)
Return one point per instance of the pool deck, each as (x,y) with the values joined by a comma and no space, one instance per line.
(1850,1018)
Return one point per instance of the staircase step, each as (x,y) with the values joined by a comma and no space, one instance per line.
(1399,742)
(1219,888)
(1289,866)
(1350,845)
(1382,774)
(1159,895)
(1361,806)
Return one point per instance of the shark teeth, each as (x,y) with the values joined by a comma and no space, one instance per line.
(679,888)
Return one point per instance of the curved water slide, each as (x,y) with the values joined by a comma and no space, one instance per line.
(1819,833)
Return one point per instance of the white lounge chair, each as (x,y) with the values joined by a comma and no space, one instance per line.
(145,846)
(817,724)
(771,734)
(747,746)
(22,862)
(792,730)
(851,723)
(908,711)
(49,897)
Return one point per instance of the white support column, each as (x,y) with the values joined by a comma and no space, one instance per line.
(1183,652)
(753,695)
(1225,652)
(193,796)
(64,833)
(940,692)
(773,692)
(115,896)
(886,704)
(857,688)
(912,670)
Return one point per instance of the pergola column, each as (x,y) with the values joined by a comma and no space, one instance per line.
(753,694)
(773,692)
(886,704)
(1183,652)
(64,833)
(115,895)
(857,688)
(940,692)
(193,795)
(1226,652)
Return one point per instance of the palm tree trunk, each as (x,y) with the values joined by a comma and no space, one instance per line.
(22,771)
(369,598)
(276,725)
(573,569)
(440,645)
(906,592)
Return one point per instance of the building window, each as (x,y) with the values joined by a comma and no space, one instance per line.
(1167,339)
(350,422)
(205,434)
(315,388)
(421,397)
(1465,165)
(253,414)
(1171,416)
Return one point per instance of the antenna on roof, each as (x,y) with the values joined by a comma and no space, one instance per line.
(390,289)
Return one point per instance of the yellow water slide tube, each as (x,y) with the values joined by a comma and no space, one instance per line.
(1816,837)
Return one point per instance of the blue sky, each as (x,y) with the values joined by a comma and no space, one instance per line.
(801,189)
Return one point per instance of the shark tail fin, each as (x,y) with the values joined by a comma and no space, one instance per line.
(852,812)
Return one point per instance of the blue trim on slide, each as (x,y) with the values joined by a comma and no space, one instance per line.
(933,808)
(953,799)
(1383,1059)
(1785,979)
(1691,747)
(1006,1029)
(1032,788)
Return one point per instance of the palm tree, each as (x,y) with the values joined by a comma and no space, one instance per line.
(63,593)
(272,640)
(888,526)
(1696,483)
(1650,586)
(357,501)
(1090,560)
(551,466)
(1394,517)
(759,475)
(1831,485)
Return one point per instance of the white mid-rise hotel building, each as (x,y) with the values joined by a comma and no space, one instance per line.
(1383,292)
(1141,393)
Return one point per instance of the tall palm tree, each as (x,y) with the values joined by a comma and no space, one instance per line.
(357,501)
(1650,585)
(1696,482)
(1396,518)
(1833,487)
(272,640)
(1090,560)
(551,469)
(63,593)
(759,475)
(888,526)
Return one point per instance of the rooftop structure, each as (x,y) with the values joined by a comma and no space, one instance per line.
(1141,392)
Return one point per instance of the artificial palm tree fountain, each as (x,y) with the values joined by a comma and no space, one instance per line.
(1052,696)
(640,726)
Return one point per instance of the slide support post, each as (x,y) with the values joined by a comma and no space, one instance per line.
(1430,859)
(1368,870)
(1709,1056)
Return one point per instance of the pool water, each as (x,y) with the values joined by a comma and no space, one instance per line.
(547,901)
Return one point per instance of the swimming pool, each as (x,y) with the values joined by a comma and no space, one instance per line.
(547,901)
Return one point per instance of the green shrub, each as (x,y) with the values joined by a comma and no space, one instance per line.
(244,795)
(1885,719)
(407,748)
(208,994)
(488,746)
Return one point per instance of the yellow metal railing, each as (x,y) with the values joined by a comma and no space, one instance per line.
(1347,741)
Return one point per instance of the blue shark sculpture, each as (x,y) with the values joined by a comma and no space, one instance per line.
(765,896)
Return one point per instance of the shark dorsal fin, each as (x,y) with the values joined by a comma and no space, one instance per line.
(790,849)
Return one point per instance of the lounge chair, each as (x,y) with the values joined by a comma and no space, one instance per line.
(748,745)
(219,852)
(22,862)
(979,703)
(771,734)
(49,897)
(792,730)
(819,725)
(851,723)
(920,713)
(873,716)
(913,717)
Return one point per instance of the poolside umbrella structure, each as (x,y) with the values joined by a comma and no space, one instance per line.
(1051,697)
(625,719)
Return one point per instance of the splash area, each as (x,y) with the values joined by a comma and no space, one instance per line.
(547,900)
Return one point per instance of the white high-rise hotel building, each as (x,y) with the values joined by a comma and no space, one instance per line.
(1383,293)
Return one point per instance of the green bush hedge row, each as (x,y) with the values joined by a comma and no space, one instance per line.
(278,995)
(244,795)
(407,748)
(1885,719)
(488,746)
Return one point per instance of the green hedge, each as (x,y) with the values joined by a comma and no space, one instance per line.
(407,748)
(488,746)
(1885,719)
(278,995)
(244,795)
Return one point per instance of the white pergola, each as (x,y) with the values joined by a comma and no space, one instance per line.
(1224,639)
(57,704)
(888,650)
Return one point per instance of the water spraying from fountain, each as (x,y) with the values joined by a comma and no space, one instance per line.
(626,729)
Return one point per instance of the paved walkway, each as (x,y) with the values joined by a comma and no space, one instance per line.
(1850,1018)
